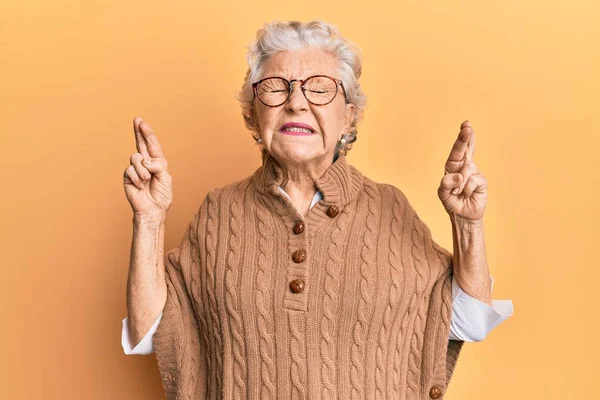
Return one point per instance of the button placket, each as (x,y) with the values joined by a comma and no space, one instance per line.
(298,265)
(299,229)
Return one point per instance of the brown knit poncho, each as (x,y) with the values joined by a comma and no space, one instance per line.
(352,301)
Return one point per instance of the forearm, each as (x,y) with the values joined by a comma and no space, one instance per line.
(146,287)
(471,270)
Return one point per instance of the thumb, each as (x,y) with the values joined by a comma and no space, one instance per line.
(449,182)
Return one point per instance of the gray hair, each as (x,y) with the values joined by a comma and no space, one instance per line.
(277,36)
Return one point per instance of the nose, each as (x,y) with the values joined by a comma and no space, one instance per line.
(296,102)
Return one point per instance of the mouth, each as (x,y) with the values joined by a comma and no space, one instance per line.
(297,129)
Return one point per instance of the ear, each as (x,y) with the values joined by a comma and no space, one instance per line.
(349,117)
(252,117)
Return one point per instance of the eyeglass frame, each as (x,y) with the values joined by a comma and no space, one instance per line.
(291,87)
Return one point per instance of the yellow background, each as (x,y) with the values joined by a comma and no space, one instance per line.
(74,74)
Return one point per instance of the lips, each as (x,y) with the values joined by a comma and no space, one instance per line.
(296,128)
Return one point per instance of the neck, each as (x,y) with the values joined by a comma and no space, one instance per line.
(339,184)
(300,177)
(300,184)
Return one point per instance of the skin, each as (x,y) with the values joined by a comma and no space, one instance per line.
(148,187)
(149,190)
(463,192)
(304,158)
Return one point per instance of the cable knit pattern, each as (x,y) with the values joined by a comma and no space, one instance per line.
(298,368)
(416,340)
(214,324)
(232,303)
(351,301)
(366,296)
(330,305)
(397,277)
(263,304)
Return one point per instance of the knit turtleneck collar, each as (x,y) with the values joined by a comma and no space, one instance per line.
(339,184)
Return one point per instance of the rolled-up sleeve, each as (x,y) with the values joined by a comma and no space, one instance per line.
(145,346)
(472,319)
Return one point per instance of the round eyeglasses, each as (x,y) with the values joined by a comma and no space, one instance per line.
(319,90)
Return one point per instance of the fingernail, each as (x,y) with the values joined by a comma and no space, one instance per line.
(455,191)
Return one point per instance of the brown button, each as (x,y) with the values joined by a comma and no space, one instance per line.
(297,285)
(333,211)
(435,392)
(299,256)
(299,227)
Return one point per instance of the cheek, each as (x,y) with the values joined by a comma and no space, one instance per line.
(331,123)
(267,118)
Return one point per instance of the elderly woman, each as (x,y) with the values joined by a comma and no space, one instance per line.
(307,279)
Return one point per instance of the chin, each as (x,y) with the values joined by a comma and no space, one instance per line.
(300,155)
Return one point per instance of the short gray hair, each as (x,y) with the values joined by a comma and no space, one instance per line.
(277,36)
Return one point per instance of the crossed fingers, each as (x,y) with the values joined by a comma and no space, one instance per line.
(460,159)
(145,140)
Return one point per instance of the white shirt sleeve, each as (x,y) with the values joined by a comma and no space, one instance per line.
(145,346)
(472,319)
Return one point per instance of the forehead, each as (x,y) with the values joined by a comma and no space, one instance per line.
(300,64)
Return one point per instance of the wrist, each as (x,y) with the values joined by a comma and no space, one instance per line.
(466,224)
(149,217)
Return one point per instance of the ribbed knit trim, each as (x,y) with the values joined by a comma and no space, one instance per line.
(339,184)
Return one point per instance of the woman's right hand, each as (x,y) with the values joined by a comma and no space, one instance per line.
(148,187)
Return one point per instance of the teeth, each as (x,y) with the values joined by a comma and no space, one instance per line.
(296,129)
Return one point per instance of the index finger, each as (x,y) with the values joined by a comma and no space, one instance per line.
(140,143)
(151,140)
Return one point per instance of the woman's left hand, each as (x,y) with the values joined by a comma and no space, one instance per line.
(463,189)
